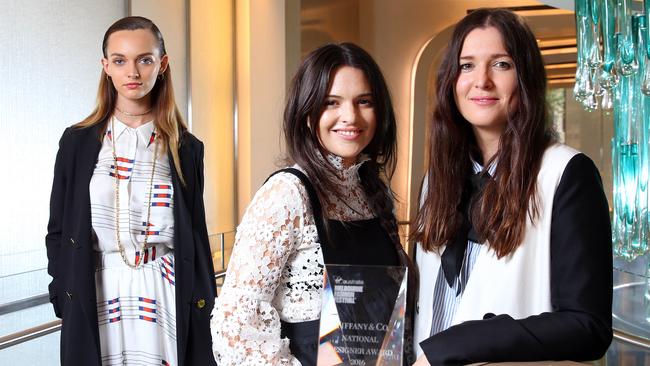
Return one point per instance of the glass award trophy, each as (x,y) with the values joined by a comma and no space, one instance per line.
(362,316)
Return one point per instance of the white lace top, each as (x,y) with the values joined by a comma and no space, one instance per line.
(276,268)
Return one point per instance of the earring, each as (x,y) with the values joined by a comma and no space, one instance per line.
(161,77)
(108,77)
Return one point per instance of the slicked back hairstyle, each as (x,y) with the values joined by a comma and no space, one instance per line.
(506,203)
(167,118)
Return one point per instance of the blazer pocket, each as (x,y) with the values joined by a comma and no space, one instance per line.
(57,309)
(54,298)
(200,312)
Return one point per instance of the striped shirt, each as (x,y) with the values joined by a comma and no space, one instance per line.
(447,298)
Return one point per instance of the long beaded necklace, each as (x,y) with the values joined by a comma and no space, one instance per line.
(120,247)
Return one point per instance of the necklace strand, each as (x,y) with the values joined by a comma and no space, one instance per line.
(120,247)
(133,114)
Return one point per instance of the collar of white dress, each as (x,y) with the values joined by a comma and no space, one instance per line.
(145,132)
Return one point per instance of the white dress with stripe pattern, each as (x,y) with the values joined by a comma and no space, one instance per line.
(135,307)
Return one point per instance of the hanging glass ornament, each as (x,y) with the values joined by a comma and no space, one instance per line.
(613,74)
(626,60)
(595,58)
(583,33)
(606,101)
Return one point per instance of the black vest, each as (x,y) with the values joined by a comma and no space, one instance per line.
(362,242)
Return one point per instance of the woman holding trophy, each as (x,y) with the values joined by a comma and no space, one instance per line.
(340,133)
(513,227)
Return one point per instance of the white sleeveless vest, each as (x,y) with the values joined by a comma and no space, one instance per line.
(518,284)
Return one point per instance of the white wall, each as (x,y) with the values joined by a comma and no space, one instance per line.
(50,53)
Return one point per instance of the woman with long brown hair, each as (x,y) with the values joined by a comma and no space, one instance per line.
(127,242)
(333,206)
(513,230)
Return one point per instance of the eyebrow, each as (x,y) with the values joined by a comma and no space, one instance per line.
(142,55)
(340,97)
(496,55)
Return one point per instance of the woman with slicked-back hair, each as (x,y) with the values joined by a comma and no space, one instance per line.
(127,243)
(513,230)
(333,206)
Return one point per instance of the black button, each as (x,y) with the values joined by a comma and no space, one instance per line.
(72,242)
(69,295)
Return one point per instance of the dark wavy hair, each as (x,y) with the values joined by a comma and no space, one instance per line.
(501,211)
(305,104)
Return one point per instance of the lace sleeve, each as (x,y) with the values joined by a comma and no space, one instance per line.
(245,325)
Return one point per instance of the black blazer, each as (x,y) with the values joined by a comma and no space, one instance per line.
(71,261)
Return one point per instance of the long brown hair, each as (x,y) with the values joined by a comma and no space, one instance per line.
(167,118)
(305,104)
(501,210)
